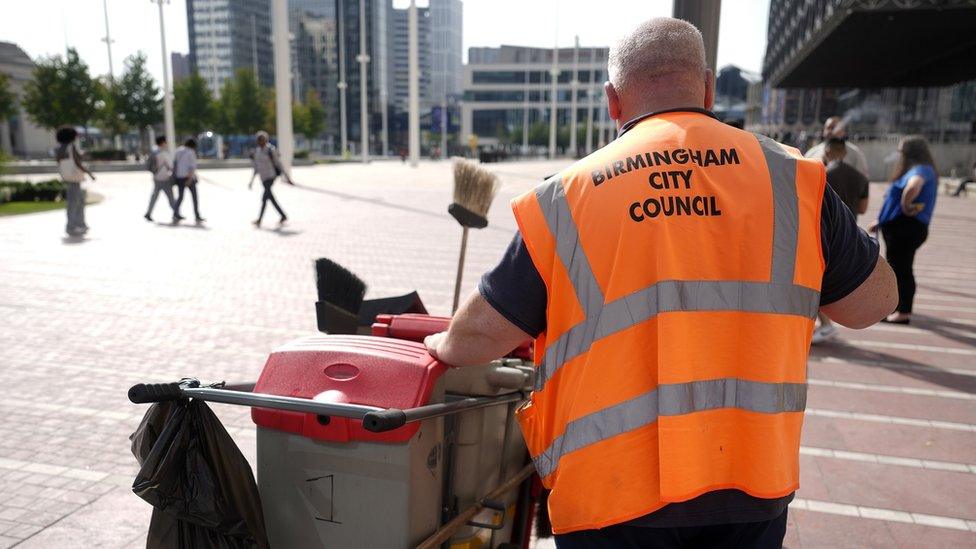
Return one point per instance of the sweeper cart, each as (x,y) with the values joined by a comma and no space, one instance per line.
(368,442)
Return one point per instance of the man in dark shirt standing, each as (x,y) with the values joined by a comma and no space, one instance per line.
(851,187)
(658,81)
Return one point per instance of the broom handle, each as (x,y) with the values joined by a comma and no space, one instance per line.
(460,269)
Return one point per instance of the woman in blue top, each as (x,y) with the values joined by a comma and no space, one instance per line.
(905,216)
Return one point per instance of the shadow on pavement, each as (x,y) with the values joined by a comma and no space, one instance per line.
(283,231)
(910,368)
(944,291)
(73,239)
(199,226)
(385,204)
(946,328)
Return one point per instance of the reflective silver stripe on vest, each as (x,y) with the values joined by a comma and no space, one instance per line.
(671,400)
(778,296)
(555,208)
(786,216)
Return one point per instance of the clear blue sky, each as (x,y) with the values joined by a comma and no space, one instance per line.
(44,27)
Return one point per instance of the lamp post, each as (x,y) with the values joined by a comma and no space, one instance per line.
(170,126)
(108,43)
(363,59)
(413,78)
(342,85)
(282,70)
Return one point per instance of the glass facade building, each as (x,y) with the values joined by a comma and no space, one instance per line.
(226,35)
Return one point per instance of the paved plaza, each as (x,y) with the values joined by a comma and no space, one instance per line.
(889,455)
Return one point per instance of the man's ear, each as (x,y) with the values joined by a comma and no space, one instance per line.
(709,89)
(613,102)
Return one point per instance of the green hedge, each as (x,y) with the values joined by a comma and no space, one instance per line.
(106,154)
(301,155)
(25,191)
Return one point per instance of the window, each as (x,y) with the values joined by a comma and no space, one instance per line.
(498,77)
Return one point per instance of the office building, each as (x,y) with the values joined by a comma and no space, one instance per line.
(446,49)
(180,63)
(507,90)
(399,59)
(18,135)
(226,35)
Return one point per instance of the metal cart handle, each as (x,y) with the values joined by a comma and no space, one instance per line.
(374,419)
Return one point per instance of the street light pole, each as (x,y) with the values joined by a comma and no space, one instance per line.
(282,70)
(108,43)
(590,96)
(572,100)
(363,60)
(167,89)
(342,85)
(413,78)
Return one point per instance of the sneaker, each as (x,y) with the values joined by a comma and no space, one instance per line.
(256,223)
(283,220)
(148,217)
(200,220)
(823,333)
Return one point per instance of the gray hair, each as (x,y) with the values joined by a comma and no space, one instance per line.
(657,47)
(261,134)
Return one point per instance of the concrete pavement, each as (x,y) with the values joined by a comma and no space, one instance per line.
(889,454)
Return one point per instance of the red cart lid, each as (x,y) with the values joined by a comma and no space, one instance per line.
(372,371)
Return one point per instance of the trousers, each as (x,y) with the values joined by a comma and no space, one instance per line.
(181,184)
(903,236)
(165,187)
(749,535)
(267,196)
(74,196)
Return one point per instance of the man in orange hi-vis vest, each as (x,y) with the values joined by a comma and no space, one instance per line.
(671,281)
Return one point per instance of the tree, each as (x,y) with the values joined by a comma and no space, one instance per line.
(193,105)
(108,115)
(8,101)
(223,109)
(314,116)
(139,99)
(249,104)
(60,92)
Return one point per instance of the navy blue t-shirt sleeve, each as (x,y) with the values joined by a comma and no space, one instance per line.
(849,253)
(515,289)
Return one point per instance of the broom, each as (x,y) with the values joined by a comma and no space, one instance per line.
(474,189)
(340,297)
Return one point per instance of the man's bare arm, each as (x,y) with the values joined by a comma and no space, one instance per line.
(873,300)
(477,334)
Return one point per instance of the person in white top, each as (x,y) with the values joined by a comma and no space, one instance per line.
(834,127)
(185,174)
(72,174)
(161,167)
(267,165)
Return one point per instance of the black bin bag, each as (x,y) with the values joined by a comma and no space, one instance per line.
(199,484)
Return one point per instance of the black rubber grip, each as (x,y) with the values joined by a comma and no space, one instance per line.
(144,393)
(384,420)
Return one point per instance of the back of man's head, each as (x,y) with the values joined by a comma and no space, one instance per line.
(660,55)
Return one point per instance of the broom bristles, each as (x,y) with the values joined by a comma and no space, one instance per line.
(474,187)
(339,286)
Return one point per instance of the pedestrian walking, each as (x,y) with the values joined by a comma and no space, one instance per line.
(835,127)
(73,173)
(905,216)
(160,165)
(851,187)
(267,166)
(672,298)
(185,171)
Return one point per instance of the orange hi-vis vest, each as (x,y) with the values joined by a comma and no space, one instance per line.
(682,266)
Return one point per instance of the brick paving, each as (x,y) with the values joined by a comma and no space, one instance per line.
(889,455)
